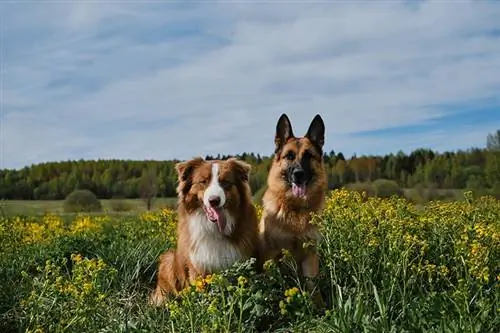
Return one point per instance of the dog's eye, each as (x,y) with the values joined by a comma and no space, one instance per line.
(203,182)
(307,155)
(290,155)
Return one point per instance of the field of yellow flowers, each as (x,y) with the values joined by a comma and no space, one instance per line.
(386,267)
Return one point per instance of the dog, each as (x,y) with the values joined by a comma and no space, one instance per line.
(217,223)
(296,187)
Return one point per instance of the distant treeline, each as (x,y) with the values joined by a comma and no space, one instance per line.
(472,169)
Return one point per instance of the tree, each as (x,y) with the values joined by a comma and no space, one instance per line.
(493,141)
(340,169)
(371,164)
(148,186)
(355,165)
(492,168)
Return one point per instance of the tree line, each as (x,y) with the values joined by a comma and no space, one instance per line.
(474,168)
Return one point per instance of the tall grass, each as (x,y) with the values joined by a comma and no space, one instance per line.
(386,267)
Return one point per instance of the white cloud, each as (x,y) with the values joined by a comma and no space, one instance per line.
(221,74)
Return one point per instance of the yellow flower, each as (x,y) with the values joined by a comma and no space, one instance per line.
(242,280)
(268,264)
(76,257)
(291,292)
(200,285)
(209,278)
(85,224)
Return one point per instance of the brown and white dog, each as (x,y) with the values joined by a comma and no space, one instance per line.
(217,223)
(296,187)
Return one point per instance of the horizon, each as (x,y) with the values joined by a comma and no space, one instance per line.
(263,156)
(141,81)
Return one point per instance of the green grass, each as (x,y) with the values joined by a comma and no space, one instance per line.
(40,207)
(385,267)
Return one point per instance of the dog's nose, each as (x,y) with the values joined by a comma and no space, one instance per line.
(214,200)
(298,174)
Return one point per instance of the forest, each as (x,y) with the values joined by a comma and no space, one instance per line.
(474,168)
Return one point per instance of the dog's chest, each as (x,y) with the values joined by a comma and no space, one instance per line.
(310,231)
(210,251)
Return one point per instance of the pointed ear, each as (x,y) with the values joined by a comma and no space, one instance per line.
(316,132)
(283,131)
(242,168)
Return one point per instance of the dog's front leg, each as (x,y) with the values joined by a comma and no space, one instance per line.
(310,271)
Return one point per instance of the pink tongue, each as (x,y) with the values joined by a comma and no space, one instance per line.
(218,216)
(298,190)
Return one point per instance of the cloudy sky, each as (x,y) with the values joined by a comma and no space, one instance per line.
(161,80)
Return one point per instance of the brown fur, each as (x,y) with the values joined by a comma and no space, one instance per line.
(285,222)
(176,269)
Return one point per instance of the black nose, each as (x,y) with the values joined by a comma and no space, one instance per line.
(298,174)
(214,201)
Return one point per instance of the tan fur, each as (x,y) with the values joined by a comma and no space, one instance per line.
(285,223)
(176,269)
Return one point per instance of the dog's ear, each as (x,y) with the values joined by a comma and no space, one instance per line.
(184,173)
(316,132)
(283,132)
(241,168)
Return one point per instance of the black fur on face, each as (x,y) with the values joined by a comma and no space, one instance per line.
(298,168)
(298,154)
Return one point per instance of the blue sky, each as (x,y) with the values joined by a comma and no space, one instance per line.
(162,80)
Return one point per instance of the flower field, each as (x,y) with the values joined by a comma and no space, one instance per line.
(386,267)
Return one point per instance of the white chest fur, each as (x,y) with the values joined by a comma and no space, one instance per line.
(210,250)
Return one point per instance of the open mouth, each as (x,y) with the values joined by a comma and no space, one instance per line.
(216,215)
(299,190)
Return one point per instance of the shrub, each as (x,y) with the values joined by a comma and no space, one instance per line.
(82,201)
(118,205)
(495,191)
(432,191)
(361,187)
(418,194)
(385,188)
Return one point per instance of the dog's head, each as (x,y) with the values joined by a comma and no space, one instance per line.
(218,189)
(298,163)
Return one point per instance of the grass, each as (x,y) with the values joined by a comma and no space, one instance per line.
(41,207)
(386,267)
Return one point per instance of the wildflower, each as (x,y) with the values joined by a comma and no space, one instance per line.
(286,253)
(291,292)
(209,278)
(199,285)
(282,306)
(76,257)
(268,264)
(242,281)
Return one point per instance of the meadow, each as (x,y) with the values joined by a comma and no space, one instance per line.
(387,266)
(43,207)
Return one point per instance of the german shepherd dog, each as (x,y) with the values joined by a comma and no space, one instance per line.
(297,184)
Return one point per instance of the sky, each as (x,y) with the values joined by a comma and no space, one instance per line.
(163,80)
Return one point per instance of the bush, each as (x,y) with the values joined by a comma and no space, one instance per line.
(418,194)
(495,191)
(81,201)
(118,205)
(361,187)
(445,195)
(432,192)
(385,188)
